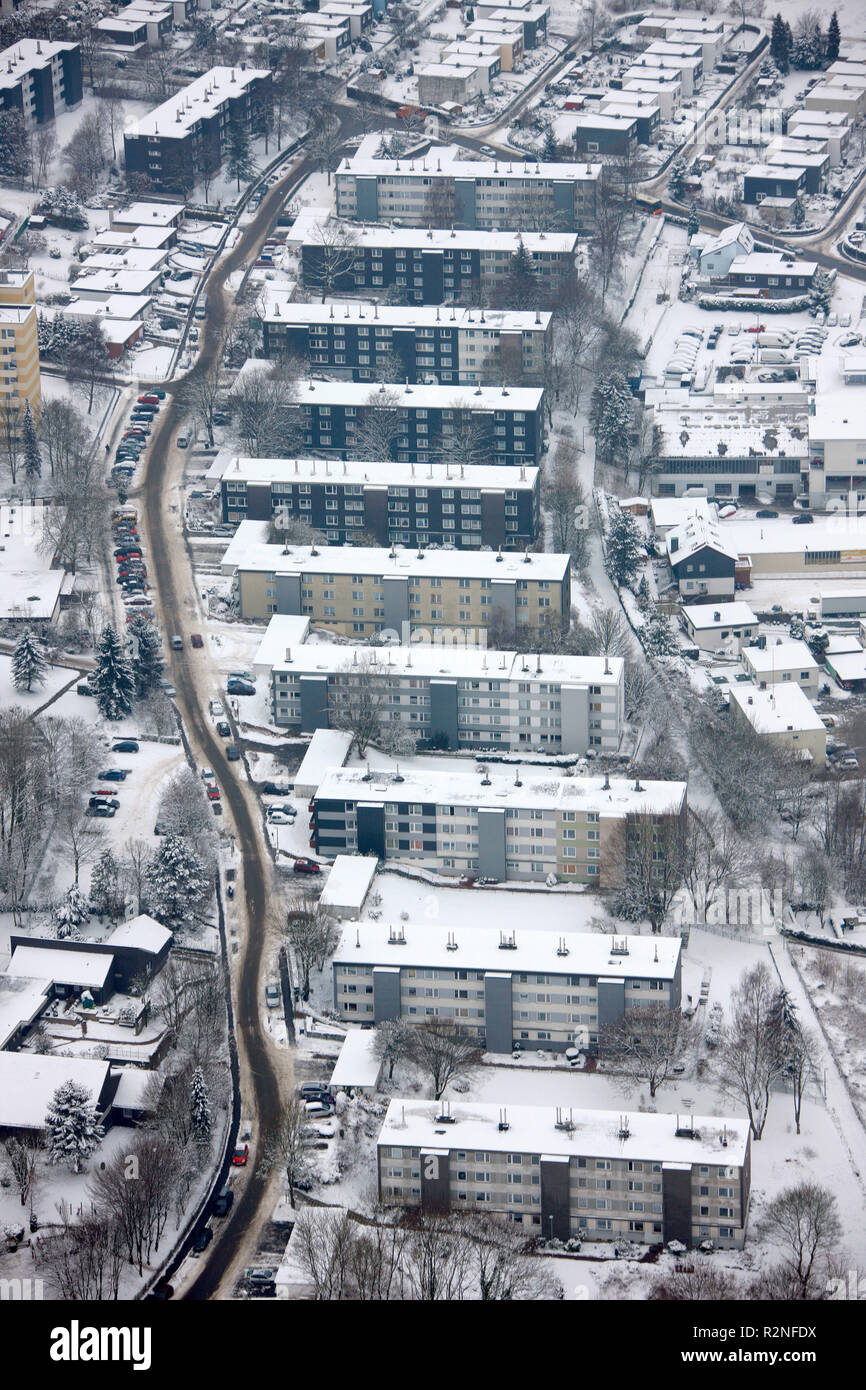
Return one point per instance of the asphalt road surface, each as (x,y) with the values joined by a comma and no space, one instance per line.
(195,680)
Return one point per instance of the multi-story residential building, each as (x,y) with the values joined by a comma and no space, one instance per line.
(500,825)
(837,442)
(441,188)
(20,381)
(428,266)
(532,18)
(360,341)
(360,590)
(433,418)
(40,79)
(457,696)
(190,132)
(589,1174)
(390,503)
(513,989)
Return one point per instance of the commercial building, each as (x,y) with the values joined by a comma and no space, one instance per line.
(360,590)
(452,345)
(488,981)
(433,418)
(20,382)
(389,503)
(40,79)
(428,266)
(499,825)
(457,696)
(190,133)
(563,1173)
(732,451)
(783,715)
(440,188)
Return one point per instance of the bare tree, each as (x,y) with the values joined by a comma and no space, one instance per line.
(800,1052)
(83,1258)
(135,1189)
(43,146)
(564,501)
(381,426)
(750,1057)
(184,807)
(437,1259)
(136,857)
(611,211)
(505,1268)
(23,1157)
(311,932)
(324,142)
(88,359)
(394,1042)
(647,865)
(611,632)
(200,390)
(85,154)
(334,249)
(445,1052)
(805,1219)
(358,703)
(180,989)
(714,857)
(646,1044)
(285,1144)
(697,1281)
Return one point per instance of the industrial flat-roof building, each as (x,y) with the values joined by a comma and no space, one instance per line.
(360,590)
(486,981)
(390,503)
(588,1174)
(439,188)
(457,696)
(499,826)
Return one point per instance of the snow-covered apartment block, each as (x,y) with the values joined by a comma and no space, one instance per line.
(563,1173)
(511,989)
(499,825)
(396,503)
(430,266)
(359,590)
(458,697)
(362,341)
(40,79)
(190,132)
(440,187)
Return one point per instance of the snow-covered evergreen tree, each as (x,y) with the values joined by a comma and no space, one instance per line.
(521,286)
(624,548)
(612,407)
(549,148)
(70,914)
(30,443)
(176,884)
(821,290)
(106,894)
(201,1117)
(798,212)
(73,1131)
(676,177)
(834,38)
(659,636)
(694,223)
(28,663)
(780,45)
(113,679)
(146,648)
(44,334)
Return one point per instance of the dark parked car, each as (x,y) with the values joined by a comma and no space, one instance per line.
(233,753)
(804,519)
(196,640)
(103,811)
(236,687)
(223,1202)
(766,513)
(224,729)
(275,789)
(201,1240)
(306,866)
(114,774)
(125,745)
(99,801)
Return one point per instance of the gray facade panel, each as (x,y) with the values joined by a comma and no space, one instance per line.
(677,1203)
(368,198)
(434,1179)
(396,590)
(371,829)
(464,202)
(504,597)
(498,1017)
(575,719)
(491,841)
(443,711)
(555,1207)
(563,203)
(611,1002)
(386,993)
(288,593)
(315,710)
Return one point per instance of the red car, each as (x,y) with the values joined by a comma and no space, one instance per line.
(196,639)
(148,400)
(213,793)
(759,328)
(306,866)
(240,1155)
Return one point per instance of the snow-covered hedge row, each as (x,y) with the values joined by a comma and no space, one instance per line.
(757,306)
(850,947)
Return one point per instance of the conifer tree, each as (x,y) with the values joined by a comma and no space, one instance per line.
(175,881)
(201,1117)
(28,663)
(113,678)
(834,38)
(72,1128)
(146,648)
(623,548)
(32,452)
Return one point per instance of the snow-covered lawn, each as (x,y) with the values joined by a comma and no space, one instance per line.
(56,677)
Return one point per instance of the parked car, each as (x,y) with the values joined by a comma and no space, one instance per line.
(150,398)
(224,729)
(273,997)
(125,745)
(104,801)
(233,753)
(114,774)
(201,1240)
(261,1283)
(223,1201)
(216,708)
(103,811)
(277,818)
(805,519)
(766,514)
(196,639)
(183,441)
(306,866)
(213,793)
(238,687)
(240,1155)
(176,643)
(318,1109)
(275,789)
(283,811)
